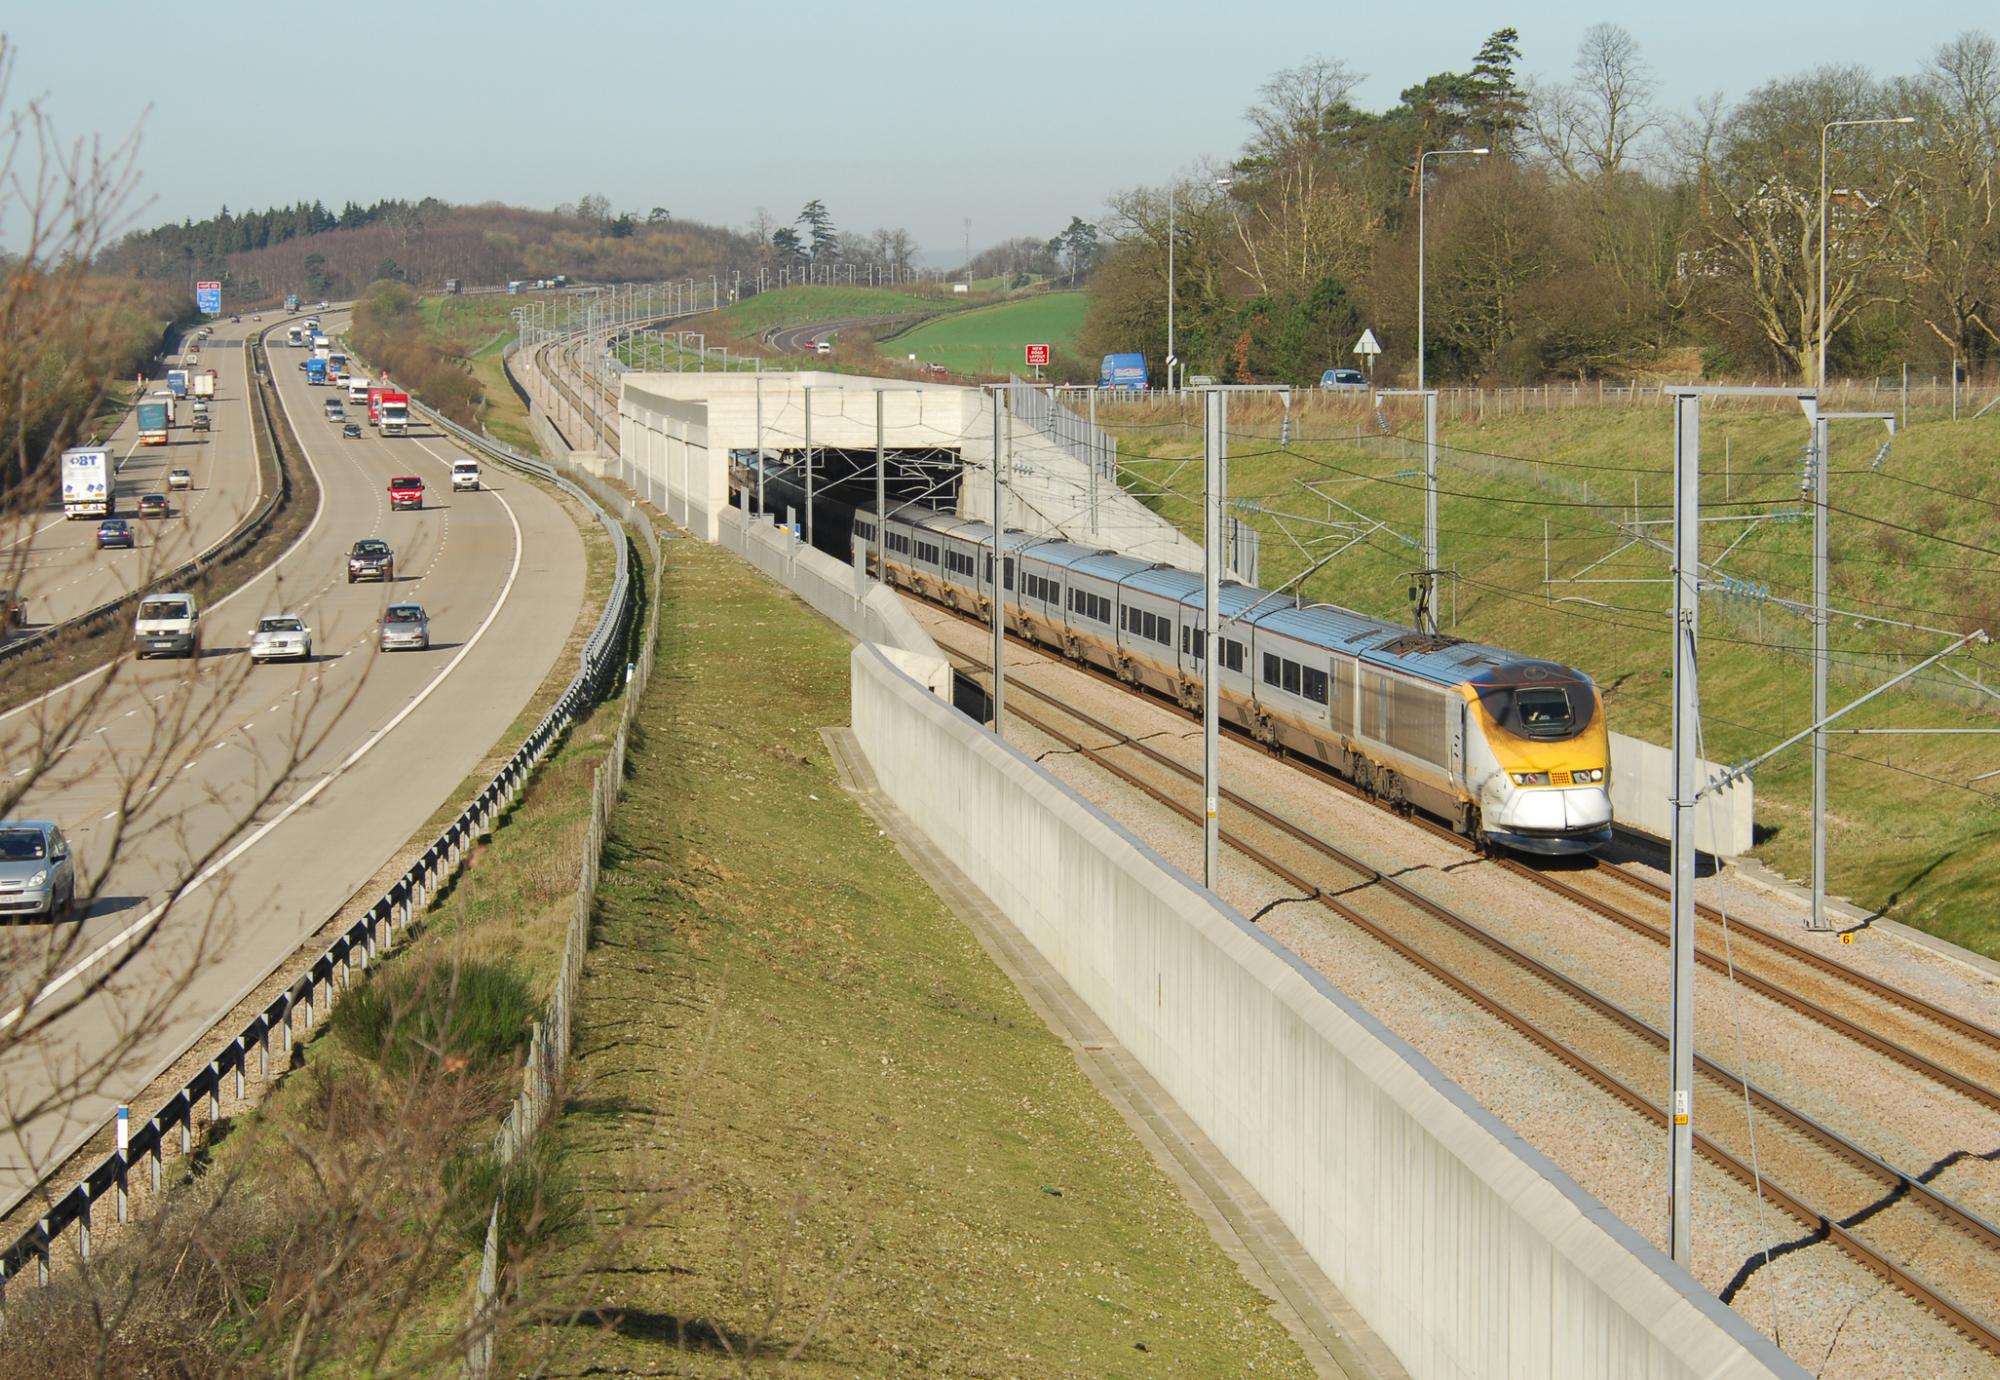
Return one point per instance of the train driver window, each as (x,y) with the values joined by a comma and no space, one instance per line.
(1544,710)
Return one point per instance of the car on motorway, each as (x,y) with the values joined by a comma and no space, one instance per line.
(335,412)
(281,637)
(167,623)
(324,305)
(351,432)
(825,347)
(13,609)
(236,319)
(154,506)
(371,559)
(37,874)
(180,478)
(1344,381)
(257,316)
(406,491)
(200,422)
(116,532)
(405,626)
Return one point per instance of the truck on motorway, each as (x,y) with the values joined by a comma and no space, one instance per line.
(315,370)
(1123,372)
(336,366)
(375,392)
(321,345)
(203,384)
(358,388)
(394,414)
(177,382)
(87,482)
(294,337)
(154,419)
(291,302)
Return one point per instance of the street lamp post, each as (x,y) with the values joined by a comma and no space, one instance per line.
(1825,130)
(1428,153)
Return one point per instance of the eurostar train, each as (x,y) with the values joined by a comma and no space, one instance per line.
(1509,750)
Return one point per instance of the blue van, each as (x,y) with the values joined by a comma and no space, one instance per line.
(1122,371)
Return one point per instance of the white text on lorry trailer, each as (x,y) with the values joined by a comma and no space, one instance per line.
(86,483)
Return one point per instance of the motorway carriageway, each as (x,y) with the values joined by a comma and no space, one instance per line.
(54,561)
(279,790)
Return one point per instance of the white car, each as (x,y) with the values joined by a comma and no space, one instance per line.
(281,636)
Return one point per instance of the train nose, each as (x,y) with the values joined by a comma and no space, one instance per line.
(1586,807)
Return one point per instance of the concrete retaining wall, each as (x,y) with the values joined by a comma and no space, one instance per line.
(1642,793)
(862,607)
(1467,1251)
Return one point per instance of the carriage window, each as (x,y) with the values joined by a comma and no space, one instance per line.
(1232,654)
(1315,685)
(1291,677)
(1200,645)
(1009,572)
(1271,664)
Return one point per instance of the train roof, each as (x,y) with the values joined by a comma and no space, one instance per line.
(1443,660)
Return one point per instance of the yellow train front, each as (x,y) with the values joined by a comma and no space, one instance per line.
(1508,749)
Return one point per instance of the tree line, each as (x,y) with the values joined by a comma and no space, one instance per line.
(1600,234)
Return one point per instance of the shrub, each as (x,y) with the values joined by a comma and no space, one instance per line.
(445,1014)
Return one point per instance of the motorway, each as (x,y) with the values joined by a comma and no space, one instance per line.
(225,811)
(55,563)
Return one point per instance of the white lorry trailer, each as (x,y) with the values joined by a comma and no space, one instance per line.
(87,483)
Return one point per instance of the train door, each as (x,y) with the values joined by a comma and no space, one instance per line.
(1455,732)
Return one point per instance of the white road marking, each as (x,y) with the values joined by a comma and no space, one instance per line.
(145,921)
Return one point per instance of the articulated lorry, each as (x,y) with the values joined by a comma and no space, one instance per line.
(315,370)
(393,410)
(87,482)
(155,416)
(177,382)
(292,304)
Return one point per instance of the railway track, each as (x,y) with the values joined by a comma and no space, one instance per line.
(1610,1047)
(1941,1046)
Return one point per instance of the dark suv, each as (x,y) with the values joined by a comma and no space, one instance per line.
(371,559)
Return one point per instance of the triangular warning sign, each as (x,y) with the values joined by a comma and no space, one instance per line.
(1368,344)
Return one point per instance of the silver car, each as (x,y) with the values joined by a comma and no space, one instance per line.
(281,636)
(37,875)
(405,626)
(1344,381)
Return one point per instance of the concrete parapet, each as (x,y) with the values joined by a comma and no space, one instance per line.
(1642,796)
(859,605)
(1468,1251)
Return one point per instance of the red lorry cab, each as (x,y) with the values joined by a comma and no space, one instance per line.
(406,491)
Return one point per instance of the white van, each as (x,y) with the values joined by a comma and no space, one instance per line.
(168,624)
(464,474)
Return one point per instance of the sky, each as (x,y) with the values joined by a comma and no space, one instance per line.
(893,114)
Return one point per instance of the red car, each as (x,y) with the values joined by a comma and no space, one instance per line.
(406,491)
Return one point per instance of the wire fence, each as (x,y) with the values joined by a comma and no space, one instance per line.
(543,1074)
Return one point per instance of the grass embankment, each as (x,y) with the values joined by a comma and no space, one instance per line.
(449,351)
(809,1112)
(1907,829)
(991,341)
(338,1224)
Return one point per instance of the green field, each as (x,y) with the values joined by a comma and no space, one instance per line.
(803,306)
(1909,828)
(991,340)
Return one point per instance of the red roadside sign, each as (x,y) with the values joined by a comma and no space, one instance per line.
(1038,355)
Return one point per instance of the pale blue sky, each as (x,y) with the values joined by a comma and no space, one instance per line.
(918,115)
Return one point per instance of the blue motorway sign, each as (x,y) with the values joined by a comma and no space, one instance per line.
(208,298)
